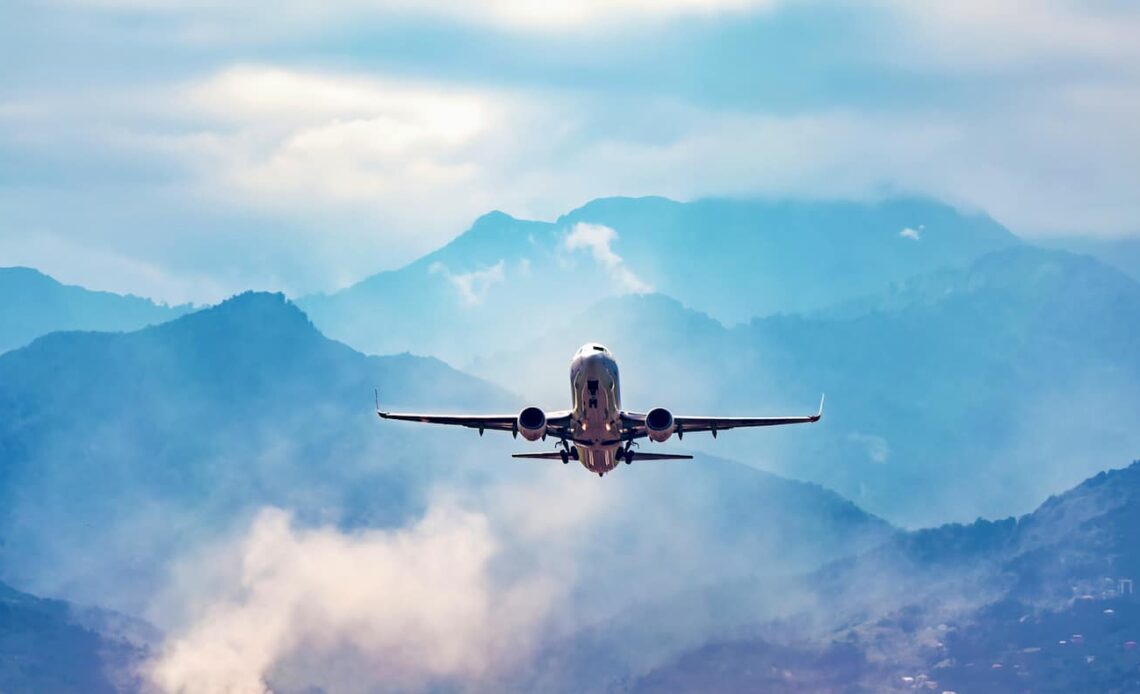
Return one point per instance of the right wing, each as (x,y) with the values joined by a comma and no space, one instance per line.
(557,423)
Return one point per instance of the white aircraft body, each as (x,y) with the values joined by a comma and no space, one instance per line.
(596,431)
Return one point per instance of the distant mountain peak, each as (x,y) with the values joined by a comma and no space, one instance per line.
(21,271)
(263,315)
(492,217)
(255,300)
(613,204)
(769,256)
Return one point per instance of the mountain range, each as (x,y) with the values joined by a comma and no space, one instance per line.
(966,392)
(1044,602)
(506,280)
(35,304)
(52,646)
(162,436)
(123,450)
(967,373)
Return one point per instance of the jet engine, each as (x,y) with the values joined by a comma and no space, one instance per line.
(532,423)
(659,424)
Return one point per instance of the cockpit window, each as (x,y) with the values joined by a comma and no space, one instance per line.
(599,348)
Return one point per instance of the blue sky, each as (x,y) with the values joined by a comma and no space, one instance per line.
(187,149)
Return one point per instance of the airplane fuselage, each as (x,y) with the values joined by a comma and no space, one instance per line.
(595,388)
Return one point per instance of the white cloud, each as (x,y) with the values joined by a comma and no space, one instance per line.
(467,592)
(598,239)
(551,15)
(252,93)
(360,174)
(911,233)
(1000,35)
(563,14)
(878,450)
(472,286)
(291,141)
(90,265)
(347,173)
(414,605)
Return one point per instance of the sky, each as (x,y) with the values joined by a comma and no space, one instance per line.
(189,149)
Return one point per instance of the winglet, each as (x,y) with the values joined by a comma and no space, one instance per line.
(376,393)
(819,415)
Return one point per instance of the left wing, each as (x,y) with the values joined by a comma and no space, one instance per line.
(686,425)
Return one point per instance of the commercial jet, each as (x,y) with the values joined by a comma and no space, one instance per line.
(596,431)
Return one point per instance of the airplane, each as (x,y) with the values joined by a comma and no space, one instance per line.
(596,431)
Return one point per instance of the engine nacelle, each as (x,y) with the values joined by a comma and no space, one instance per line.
(659,424)
(532,423)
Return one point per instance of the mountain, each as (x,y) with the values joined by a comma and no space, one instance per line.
(51,646)
(1040,603)
(124,456)
(690,530)
(118,451)
(122,452)
(35,304)
(1122,253)
(957,394)
(506,280)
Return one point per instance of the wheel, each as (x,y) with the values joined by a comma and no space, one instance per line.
(628,457)
(600,474)
(565,457)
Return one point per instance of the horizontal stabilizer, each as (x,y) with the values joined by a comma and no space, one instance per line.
(638,456)
(539,456)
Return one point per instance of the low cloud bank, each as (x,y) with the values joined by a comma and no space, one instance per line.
(320,607)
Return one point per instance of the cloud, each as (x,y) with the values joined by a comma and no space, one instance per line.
(597,239)
(911,233)
(467,592)
(417,111)
(472,286)
(476,594)
(570,14)
(519,15)
(993,36)
(413,605)
(349,175)
(330,162)
(878,450)
(293,141)
(100,267)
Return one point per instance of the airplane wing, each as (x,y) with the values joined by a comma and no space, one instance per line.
(557,423)
(687,425)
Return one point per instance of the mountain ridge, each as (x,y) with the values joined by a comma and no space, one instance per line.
(1040,357)
(1006,605)
(36,304)
(769,256)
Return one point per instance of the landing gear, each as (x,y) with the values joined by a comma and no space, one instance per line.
(627,454)
(600,474)
(565,456)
